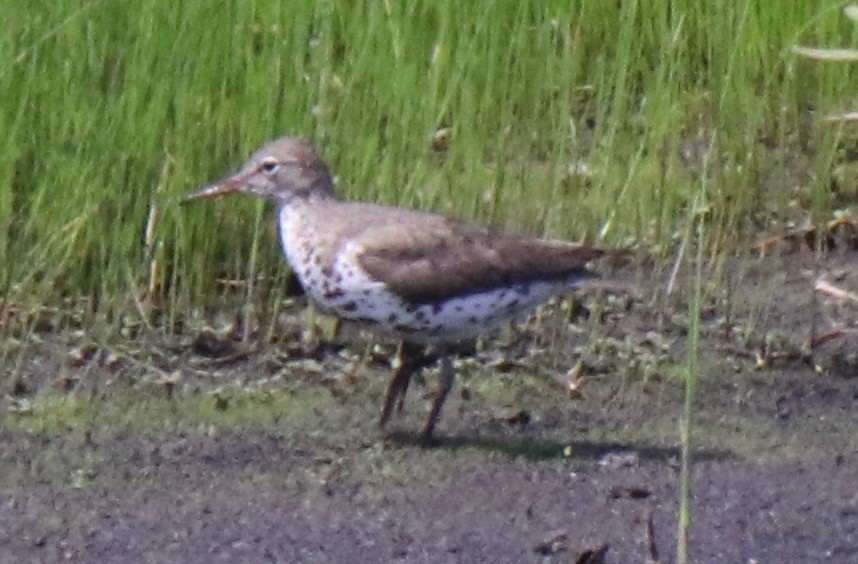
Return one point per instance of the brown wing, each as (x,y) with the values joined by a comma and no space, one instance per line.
(441,258)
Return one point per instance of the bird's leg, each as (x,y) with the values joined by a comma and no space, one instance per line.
(398,386)
(396,390)
(415,356)
(403,390)
(445,383)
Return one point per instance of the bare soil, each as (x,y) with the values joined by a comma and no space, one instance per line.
(199,447)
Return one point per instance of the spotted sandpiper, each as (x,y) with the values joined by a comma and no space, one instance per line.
(422,277)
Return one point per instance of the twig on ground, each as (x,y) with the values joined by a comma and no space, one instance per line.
(828,288)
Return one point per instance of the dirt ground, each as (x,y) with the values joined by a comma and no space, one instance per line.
(201,448)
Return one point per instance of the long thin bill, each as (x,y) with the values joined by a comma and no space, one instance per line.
(228,186)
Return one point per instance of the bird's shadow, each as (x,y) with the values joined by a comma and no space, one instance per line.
(547,449)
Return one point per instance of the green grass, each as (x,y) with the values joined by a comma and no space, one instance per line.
(570,120)
(153,412)
(692,375)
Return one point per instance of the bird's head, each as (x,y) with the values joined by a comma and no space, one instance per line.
(282,170)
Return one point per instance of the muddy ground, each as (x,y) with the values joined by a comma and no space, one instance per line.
(198,447)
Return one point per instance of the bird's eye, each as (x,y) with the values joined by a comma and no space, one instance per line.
(269,166)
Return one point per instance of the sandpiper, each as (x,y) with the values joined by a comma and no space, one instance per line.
(422,277)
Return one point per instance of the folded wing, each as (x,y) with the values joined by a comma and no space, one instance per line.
(446,258)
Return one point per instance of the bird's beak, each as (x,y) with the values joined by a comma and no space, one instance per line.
(226,186)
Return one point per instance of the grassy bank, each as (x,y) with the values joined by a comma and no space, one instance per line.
(584,120)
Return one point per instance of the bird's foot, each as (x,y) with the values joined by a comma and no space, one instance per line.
(429,440)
